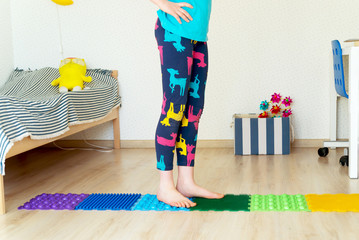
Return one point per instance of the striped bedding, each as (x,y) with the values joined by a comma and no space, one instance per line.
(30,106)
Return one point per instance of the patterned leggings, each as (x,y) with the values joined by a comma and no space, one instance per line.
(184,65)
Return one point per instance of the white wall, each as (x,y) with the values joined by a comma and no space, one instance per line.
(256,48)
(6,50)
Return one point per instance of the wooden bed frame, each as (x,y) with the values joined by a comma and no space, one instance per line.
(28,143)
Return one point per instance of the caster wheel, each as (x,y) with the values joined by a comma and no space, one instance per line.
(323,152)
(344,160)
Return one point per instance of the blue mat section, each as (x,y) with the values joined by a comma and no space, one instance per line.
(150,202)
(109,202)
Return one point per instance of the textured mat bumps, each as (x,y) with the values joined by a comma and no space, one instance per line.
(228,203)
(150,203)
(333,202)
(57,201)
(279,203)
(109,202)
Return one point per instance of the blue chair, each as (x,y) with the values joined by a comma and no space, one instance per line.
(339,83)
(338,69)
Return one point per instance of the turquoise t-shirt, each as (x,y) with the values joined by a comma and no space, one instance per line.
(196,29)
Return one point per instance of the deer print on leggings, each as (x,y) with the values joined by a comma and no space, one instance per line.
(167,142)
(160,48)
(161,164)
(189,64)
(170,37)
(190,155)
(200,56)
(171,114)
(182,144)
(195,86)
(191,118)
(184,122)
(194,118)
(176,81)
(164,104)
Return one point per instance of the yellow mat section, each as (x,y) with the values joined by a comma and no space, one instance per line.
(333,202)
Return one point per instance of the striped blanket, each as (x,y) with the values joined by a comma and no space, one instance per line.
(30,106)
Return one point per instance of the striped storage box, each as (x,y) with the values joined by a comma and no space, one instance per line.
(253,135)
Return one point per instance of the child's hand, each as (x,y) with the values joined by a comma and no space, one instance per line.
(176,10)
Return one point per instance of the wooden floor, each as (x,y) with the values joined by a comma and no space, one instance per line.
(133,171)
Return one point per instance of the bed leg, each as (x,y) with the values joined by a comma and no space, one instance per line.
(116,130)
(2,196)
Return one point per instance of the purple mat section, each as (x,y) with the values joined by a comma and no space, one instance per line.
(55,201)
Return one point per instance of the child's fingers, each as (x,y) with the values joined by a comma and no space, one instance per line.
(182,15)
(186,14)
(184,4)
(175,15)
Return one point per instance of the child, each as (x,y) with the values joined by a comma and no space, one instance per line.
(184,64)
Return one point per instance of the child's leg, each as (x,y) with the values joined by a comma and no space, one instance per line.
(187,135)
(188,132)
(174,52)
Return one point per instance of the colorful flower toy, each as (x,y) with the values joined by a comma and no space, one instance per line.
(287,101)
(264,105)
(275,109)
(263,115)
(276,97)
(287,112)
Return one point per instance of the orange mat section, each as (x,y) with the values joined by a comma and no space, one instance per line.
(333,202)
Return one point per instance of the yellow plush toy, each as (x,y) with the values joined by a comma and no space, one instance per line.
(72,72)
(63,2)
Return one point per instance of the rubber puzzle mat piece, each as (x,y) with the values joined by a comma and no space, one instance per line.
(109,201)
(333,202)
(280,203)
(150,203)
(57,201)
(229,202)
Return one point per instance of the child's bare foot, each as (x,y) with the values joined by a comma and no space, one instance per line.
(172,197)
(187,186)
(191,189)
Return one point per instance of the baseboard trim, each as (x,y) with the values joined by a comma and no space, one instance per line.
(298,143)
(301,143)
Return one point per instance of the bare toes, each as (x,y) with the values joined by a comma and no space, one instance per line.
(190,204)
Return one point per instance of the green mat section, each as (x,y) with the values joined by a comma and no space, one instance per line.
(279,203)
(227,203)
